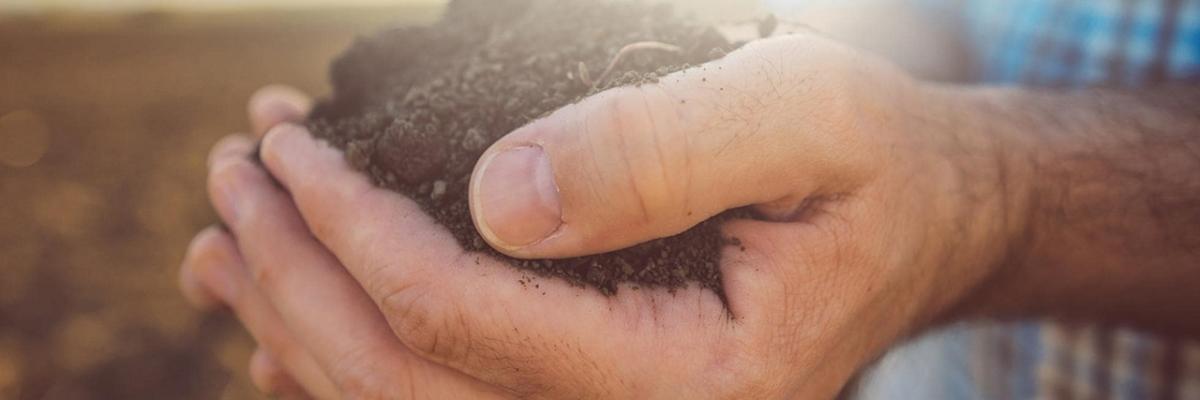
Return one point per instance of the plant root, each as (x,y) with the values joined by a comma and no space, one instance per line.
(621,54)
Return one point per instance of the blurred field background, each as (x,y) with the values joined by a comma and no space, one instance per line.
(107,110)
(105,121)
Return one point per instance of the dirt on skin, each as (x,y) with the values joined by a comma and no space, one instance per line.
(415,107)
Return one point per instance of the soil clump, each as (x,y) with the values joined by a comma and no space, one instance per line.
(415,107)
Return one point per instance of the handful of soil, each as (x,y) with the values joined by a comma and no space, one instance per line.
(415,107)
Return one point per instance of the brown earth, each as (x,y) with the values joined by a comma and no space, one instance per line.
(105,122)
(104,126)
(415,107)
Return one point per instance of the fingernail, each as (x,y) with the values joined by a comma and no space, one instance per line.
(517,197)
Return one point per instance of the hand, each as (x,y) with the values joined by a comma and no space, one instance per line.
(319,335)
(878,222)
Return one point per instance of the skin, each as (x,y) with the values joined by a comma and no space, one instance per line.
(891,205)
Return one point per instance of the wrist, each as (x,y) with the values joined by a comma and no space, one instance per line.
(1100,201)
(992,189)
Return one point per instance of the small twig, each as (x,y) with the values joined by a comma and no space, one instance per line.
(584,75)
(632,47)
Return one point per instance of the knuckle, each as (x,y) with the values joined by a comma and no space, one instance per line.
(358,380)
(644,139)
(422,326)
(266,276)
(438,329)
(208,246)
(444,334)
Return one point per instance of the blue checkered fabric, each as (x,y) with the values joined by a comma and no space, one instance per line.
(1080,42)
(1076,43)
(1067,44)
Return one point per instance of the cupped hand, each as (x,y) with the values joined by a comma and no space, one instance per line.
(877,220)
(319,334)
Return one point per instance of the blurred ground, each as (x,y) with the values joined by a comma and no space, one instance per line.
(105,121)
(104,126)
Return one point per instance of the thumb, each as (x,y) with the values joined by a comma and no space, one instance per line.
(633,164)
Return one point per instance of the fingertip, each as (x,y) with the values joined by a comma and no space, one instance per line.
(230,146)
(232,184)
(203,277)
(276,104)
(194,292)
(269,376)
(282,144)
(296,158)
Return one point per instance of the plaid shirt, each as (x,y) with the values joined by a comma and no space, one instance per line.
(1081,42)
(1059,43)
(1078,43)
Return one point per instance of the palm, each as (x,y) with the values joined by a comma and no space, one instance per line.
(799,295)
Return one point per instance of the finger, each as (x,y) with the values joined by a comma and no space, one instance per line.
(467,310)
(276,104)
(639,163)
(199,256)
(220,271)
(326,310)
(271,378)
(232,145)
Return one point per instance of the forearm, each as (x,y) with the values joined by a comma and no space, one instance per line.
(1102,196)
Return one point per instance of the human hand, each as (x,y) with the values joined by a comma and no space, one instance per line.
(877,222)
(318,333)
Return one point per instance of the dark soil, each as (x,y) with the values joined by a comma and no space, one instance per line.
(415,107)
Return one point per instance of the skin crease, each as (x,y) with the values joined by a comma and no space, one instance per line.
(894,205)
(857,257)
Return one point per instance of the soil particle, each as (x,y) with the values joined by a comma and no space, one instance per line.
(414,108)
